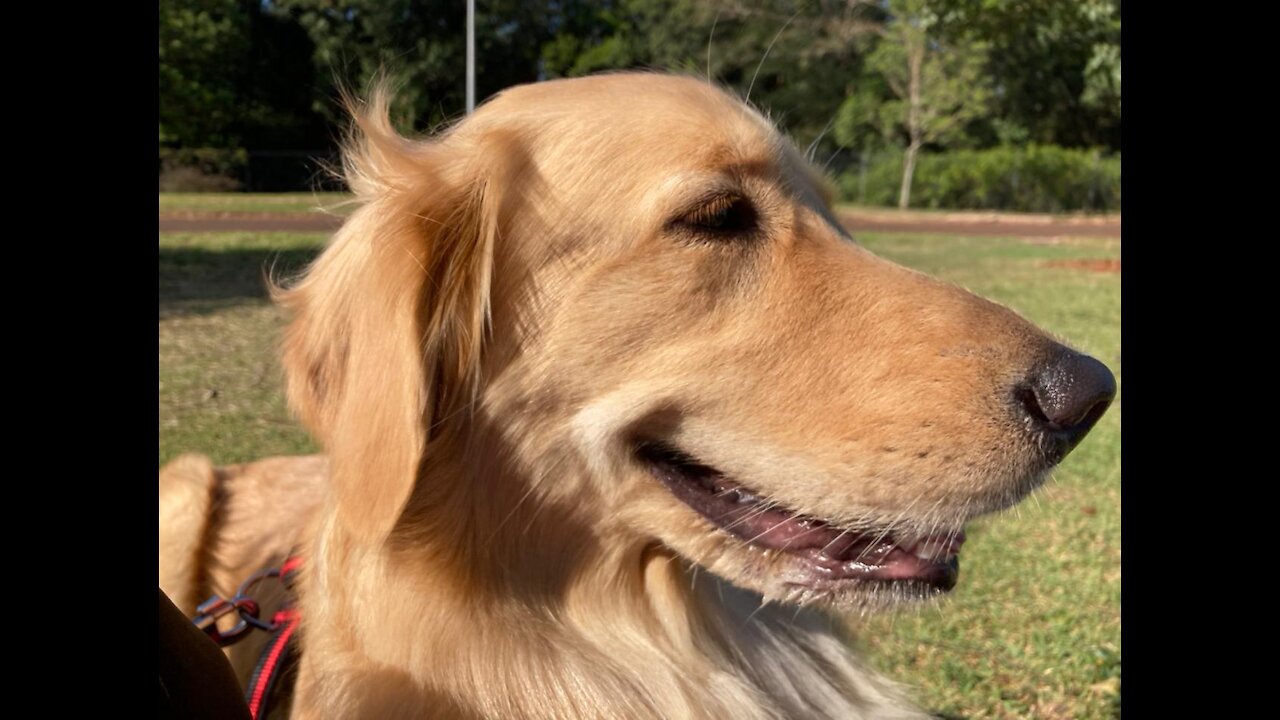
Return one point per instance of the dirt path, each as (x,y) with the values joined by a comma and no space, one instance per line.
(1102,265)
(978,224)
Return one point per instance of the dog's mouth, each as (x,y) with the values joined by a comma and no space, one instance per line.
(829,557)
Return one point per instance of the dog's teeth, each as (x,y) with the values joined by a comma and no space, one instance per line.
(934,550)
(737,495)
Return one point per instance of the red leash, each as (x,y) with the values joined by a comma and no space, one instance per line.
(278,653)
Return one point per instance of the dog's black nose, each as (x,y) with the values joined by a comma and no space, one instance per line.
(1066,395)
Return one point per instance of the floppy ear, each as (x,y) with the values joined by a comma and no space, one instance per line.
(384,348)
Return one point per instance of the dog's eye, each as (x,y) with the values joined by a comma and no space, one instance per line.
(721,215)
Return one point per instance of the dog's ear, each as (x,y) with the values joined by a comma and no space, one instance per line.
(383,352)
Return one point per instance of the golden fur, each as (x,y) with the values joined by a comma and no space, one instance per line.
(513,304)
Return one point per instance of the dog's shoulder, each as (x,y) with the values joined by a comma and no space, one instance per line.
(220,523)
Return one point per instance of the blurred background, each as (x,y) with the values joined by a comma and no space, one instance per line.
(1018,100)
(1009,168)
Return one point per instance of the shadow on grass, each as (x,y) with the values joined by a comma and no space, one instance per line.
(195,281)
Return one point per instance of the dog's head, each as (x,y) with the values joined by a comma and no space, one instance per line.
(624,303)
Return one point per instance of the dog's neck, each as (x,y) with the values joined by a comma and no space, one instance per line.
(569,627)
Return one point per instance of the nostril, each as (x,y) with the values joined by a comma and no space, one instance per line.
(1067,394)
(1027,396)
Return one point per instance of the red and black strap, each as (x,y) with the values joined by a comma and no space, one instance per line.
(280,654)
(275,662)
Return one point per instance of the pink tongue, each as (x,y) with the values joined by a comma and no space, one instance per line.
(830,552)
(783,531)
(828,545)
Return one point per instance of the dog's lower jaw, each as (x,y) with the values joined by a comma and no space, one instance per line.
(634,634)
(794,657)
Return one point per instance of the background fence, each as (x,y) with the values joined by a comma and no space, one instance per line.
(217,170)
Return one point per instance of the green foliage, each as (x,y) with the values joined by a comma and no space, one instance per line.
(796,60)
(203,44)
(1102,77)
(613,52)
(420,46)
(1035,178)
(625,34)
(1058,65)
(234,75)
(264,75)
(858,123)
(936,86)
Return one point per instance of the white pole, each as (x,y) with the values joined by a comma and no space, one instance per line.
(471,56)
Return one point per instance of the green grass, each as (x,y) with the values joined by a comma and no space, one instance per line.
(1033,629)
(307,202)
(248,202)
(925,213)
(220,379)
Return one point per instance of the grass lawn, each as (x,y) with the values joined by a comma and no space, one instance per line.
(248,202)
(220,379)
(1032,630)
(172,202)
(1010,215)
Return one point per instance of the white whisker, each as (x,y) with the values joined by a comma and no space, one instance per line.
(813,146)
(710,37)
(766,54)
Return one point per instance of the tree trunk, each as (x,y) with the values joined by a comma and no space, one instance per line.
(908,171)
(915,123)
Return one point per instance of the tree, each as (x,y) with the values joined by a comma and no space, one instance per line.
(1102,72)
(202,47)
(421,45)
(1057,72)
(618,34)
(794,59)
(936,86)
(233,75)
(261,74)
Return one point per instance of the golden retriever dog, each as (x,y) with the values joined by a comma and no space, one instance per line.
(614,413)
